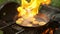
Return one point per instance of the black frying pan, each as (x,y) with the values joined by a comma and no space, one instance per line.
(8,11)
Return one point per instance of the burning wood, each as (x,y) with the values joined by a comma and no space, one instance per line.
(28,11)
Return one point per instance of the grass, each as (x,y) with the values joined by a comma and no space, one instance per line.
(1,32)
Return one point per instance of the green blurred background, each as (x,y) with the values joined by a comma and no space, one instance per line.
(54,3)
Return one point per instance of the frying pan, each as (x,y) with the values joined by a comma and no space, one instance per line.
(8,12)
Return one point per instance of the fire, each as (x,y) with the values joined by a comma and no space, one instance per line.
(28,10)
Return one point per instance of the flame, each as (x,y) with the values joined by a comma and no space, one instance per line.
(30,9)
(48,30)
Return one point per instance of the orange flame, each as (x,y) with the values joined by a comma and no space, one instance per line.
(31,8)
